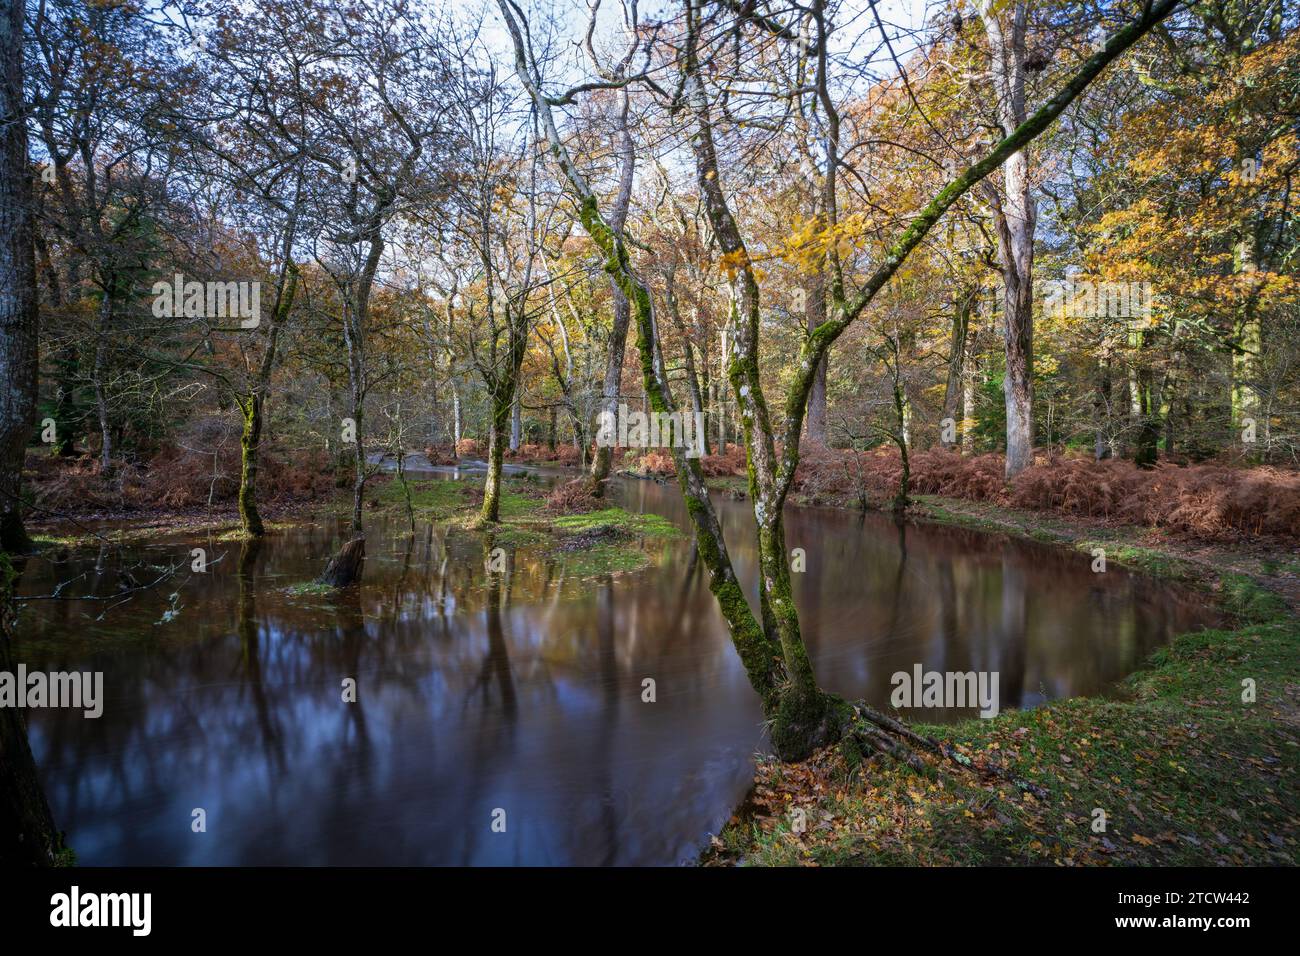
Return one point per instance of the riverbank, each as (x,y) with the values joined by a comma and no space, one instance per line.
(590,537)
(1181,766)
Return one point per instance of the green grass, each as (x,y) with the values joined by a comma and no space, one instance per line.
(221,530)
(644,525)
(310,588)
(430,499)
(603,559)
(588,544)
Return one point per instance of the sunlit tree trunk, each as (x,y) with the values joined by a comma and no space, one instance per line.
(1248,343)
(600,465)
(969,372)
(1015,215)
(1101,414)
(497,438)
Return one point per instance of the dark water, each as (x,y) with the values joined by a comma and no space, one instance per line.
(525,698)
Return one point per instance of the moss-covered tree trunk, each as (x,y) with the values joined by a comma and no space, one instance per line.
(502,387)
(500,422)
(250,519)
(815,299)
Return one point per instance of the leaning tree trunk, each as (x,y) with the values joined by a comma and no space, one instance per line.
(816,315)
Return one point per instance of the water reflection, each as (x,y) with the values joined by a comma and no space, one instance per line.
(518,691)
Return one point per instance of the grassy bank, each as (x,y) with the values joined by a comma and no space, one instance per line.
(591,542)
(1180,767)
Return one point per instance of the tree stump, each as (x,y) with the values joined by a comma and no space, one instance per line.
(344,569)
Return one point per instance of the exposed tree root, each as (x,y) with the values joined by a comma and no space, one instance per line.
(879,739)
